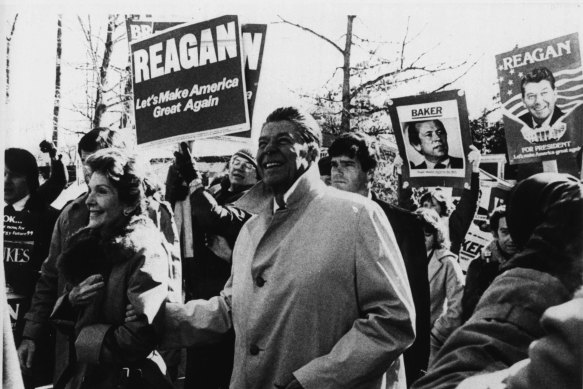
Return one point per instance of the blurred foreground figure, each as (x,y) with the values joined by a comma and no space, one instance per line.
(544,217)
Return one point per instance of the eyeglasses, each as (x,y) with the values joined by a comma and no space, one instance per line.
(239,162)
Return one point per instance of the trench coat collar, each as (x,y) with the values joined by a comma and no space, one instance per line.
(260,197)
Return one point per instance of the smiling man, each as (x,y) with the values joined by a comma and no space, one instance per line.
(318,296)
(539,97)
(429,138)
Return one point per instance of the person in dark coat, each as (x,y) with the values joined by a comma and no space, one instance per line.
(353,163)
(207,261)
(544,217)
(28,225)
(483,270)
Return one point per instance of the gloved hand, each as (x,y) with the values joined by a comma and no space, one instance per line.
(48,147)
(184,164)
(176,189)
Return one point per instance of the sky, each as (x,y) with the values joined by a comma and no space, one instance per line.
(294,61)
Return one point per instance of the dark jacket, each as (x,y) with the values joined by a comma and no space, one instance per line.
(454,163)
(134,262)
(409,234)
(527,117)
(481,273)
(206,274)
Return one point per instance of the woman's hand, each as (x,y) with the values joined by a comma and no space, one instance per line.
(83,293)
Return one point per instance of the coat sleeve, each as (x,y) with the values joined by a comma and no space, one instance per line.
(197,321)
(46,292)
(147,290)
(216,219)
(499,333)
(385,327)
(450,318)
(461,218)
(52,188)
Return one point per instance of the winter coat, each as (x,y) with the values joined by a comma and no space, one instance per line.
(409,234)
(318,292)
(134,263)
(446,285)
(51,283)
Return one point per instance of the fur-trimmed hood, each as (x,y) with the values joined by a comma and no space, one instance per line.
(91,252)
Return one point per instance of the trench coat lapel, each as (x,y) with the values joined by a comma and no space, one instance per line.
(435,265)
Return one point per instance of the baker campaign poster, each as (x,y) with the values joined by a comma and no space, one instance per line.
(541,90)
(433,137)
(189,83)
(253,43)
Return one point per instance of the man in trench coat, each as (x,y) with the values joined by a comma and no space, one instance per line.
(318,295)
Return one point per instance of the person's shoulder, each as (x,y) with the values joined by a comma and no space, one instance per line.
(340,201)
(422,165)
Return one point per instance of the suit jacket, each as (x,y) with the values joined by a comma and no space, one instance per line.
(409,234)
(527,117)
(318,292)
(454,163)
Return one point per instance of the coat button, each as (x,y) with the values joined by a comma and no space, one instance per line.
(259,281)
(254,350)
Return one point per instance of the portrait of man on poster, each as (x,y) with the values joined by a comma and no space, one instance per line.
(429,138)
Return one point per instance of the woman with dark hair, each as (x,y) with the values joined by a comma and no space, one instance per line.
(544,218)
(120,258)
(446,280)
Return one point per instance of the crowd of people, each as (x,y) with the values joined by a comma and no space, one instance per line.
(288,272)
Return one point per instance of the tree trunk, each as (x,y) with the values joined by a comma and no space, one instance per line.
(345,119)
(100,107)
(8,40)
(57,103)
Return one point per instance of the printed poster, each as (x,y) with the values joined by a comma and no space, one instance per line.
(541,90)
(433,137)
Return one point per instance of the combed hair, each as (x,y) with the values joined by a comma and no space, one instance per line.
(356,145)
(431,222)
(21,161)
(306,124)
(125,172)
(537,75)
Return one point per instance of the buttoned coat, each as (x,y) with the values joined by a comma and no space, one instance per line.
(318,292)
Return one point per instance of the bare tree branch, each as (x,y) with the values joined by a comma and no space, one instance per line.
(452,81)
(404,42)
(314,33)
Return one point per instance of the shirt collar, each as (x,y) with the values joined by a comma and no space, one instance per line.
(20,204)
(546,123)
(287,194)
(431,165)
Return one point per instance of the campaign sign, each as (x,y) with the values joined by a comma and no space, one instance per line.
(541,90)
(253,36)
(433,137)
(189,83)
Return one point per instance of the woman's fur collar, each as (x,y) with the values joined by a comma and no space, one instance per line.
(91,252)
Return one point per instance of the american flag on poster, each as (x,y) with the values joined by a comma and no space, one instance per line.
(562,57)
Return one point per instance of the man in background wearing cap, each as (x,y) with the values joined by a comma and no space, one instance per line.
(207,255)
(28,225)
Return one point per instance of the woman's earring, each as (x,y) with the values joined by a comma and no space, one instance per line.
(127,212)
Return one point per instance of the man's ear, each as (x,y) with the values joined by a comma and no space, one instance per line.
(313,153)
(370,175)
(417,148)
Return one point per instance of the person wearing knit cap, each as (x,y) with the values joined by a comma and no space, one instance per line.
(210,225)
(544,217)
(28,225)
